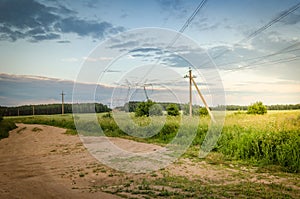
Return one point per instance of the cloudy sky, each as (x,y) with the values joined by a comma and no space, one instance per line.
(254,45)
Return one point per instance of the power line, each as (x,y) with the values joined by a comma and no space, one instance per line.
(266,26)
(190,19)
(282,51)
(188,22)
(277,61)
(182,29)
(260,30)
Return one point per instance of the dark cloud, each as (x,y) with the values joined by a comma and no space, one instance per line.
(45,37)
(146,50)
(63,41)
(19,89)
(86,28)
(34,21)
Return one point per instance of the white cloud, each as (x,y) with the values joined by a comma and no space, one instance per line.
(92,59)
(70,59)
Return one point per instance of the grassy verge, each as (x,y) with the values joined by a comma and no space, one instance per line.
(182,187)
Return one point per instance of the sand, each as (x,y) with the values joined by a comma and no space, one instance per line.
(39,161)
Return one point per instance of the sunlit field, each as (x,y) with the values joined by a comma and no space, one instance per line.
(270,139)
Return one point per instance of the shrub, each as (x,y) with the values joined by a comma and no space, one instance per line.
(5,127)
(107,115)
(257,108)
(203,111)
(143,108)
(173,110)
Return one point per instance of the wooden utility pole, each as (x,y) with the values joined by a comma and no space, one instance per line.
(32,109)
(191,105)
(203,100)
(190,80)
(62,103)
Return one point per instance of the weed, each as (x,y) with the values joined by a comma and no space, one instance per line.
(21,129)
(36,129)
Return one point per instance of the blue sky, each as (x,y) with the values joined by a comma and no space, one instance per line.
(44,45)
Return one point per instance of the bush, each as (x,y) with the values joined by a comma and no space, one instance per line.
(107,115)
(173,110)
(148,108)
(203,111)
(257,108)
(5,127)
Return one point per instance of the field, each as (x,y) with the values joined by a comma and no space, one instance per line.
(256,156)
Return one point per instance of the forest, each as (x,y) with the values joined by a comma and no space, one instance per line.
(50,109)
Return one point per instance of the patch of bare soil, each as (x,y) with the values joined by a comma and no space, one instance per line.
(38,161)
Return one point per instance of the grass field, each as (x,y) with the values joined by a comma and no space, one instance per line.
(260,140)
(256,156)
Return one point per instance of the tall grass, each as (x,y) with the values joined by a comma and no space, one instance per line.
(273,138)
(5,127)
(270,139)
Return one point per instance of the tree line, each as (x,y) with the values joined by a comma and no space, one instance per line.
(132,105)
(50,109)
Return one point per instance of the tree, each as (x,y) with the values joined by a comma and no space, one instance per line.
(173,110)
(143,108)
(257,108)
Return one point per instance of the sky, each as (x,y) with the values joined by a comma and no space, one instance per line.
(109,51)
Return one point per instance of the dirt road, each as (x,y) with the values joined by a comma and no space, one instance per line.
(38,161)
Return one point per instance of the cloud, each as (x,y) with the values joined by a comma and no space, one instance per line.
(203,24)
(71,59)
(91,3)
(64,41)
(41,37)
(22,89)
(86,28)
(171,4)
(125,45)
(34,21)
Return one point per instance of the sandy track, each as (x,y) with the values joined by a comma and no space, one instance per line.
(38,161)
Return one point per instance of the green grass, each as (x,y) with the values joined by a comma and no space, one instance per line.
(172,186)
(270,139)
(5,127)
